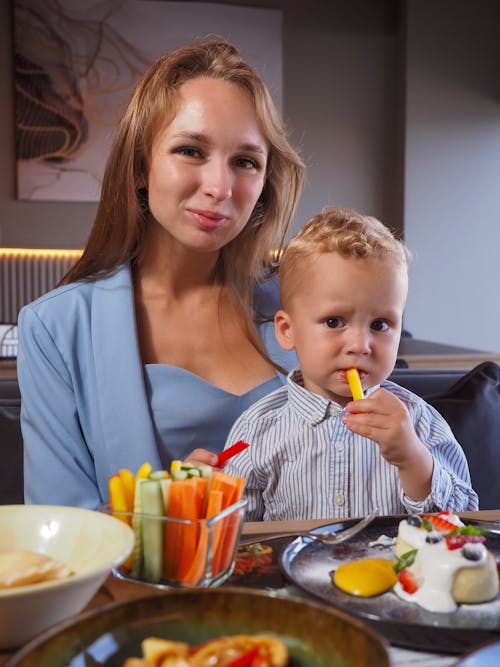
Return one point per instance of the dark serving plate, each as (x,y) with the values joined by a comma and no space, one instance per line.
(308,564)
(317,635)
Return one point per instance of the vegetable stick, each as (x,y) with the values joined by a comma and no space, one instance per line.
(172,531)
(137,528)
(355,386)
(231,528)
(228,485)
(143,471)
(230,452)
(117,495)
(198,566)
(191,505)
(128,481)
(153,529)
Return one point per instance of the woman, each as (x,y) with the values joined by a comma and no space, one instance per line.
(155,342)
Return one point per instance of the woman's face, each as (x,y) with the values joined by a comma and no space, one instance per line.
(207,167)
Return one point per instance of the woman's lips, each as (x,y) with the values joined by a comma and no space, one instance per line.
(208,219)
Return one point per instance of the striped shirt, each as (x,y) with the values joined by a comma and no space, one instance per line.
(303,463)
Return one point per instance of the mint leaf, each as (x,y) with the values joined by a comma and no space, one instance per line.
(427,525)
(405,560)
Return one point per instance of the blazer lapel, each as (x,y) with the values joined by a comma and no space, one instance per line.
(126,419)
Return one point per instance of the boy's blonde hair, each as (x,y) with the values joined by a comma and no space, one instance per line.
(339,230)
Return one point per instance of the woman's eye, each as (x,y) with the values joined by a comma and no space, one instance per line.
(379,325)
(247,163)
(333,322)
(188,151)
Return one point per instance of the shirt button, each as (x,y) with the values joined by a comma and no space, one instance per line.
(316,417)
(339,446)
(339,500)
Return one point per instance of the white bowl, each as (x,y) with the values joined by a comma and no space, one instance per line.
(90,543)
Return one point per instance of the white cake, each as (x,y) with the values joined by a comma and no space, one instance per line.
(446,563)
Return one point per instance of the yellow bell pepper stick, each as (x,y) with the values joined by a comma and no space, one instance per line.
(143,472)
(128,481)
(355,386)
(117,497)
(175,466)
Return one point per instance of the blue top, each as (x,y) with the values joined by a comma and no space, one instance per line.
(304,463)
(85,408)
(189,412)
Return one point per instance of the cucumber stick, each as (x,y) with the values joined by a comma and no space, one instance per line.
(137,528)
(152,529)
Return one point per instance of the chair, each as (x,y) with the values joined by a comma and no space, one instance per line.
(470,403)
(11,443)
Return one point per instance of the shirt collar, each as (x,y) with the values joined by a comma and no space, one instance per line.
(310,406)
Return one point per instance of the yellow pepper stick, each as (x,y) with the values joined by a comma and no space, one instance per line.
(127,477)
(175,465)
(117,496)
(143,472)
(355,386)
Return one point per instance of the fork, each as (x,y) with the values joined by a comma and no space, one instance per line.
(326,538)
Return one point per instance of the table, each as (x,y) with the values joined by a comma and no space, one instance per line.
(116,590)
(427,354)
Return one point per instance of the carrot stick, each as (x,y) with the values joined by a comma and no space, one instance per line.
(172,531)
(198,566)
(191,506)
(231,528)
(230,488)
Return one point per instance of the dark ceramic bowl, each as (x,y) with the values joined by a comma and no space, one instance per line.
(316,635)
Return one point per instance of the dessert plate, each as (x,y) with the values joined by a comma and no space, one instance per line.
(308,564)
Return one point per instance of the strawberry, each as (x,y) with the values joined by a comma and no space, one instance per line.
(440,523)
(458,541)
(408,580)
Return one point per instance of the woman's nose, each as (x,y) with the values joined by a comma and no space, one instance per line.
(217,180)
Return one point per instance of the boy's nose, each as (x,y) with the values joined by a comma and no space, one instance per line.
(217,180)
(358,342)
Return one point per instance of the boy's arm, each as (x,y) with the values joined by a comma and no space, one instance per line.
(413,437)
(450,485)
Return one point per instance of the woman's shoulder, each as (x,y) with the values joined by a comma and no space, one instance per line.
(71,300)
(266,299)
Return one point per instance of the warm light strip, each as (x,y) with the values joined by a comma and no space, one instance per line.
(40,252)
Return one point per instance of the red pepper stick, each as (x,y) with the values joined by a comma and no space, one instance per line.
(230,452)
(246,659)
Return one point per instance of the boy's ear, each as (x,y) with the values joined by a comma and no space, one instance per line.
(283,330)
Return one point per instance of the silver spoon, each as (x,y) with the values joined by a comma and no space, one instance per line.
(326,538)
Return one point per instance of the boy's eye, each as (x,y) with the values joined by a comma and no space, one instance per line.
(333,322)
(379,325)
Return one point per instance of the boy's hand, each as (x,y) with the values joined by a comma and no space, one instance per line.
(203,456)
(382,417)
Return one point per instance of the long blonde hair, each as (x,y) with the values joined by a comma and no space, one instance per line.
(122,216)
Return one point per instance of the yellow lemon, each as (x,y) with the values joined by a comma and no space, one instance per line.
(365,577)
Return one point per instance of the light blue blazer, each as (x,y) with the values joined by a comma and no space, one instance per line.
(84,409)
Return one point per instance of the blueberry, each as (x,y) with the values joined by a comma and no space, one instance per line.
(473,551)
(434,537)
(414,520)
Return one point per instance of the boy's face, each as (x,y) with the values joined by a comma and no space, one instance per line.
(346,313)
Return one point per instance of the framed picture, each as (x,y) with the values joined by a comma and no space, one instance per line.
(76,62)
